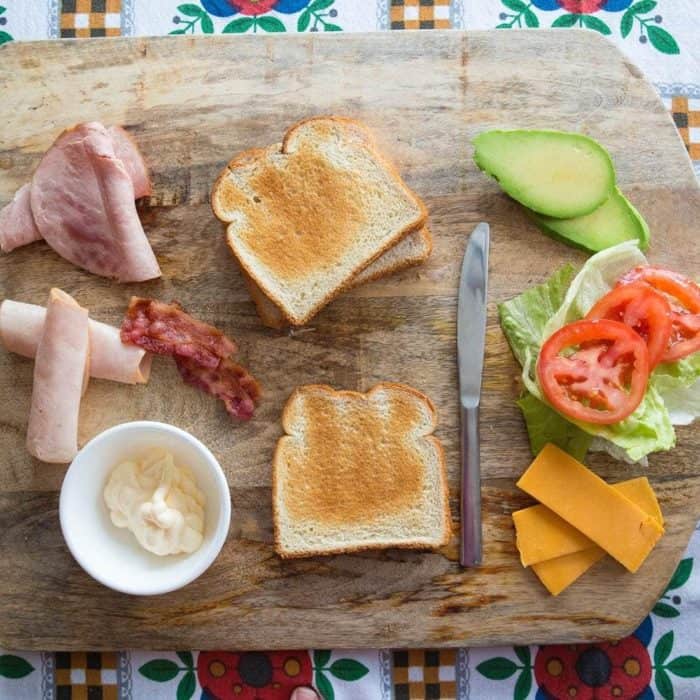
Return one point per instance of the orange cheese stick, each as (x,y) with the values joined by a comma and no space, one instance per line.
(595,508)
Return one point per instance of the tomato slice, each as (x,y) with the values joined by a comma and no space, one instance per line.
(594,371)
(685,307)
(644,310)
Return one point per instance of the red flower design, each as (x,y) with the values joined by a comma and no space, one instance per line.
(256,675)
(582,7)
(594,671)
(252,7)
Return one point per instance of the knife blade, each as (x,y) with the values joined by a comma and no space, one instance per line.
(471,338)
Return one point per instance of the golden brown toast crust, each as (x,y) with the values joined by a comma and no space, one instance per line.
(346,496)
(273,317)
(346,206)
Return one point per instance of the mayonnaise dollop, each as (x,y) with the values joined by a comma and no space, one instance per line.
(159,502)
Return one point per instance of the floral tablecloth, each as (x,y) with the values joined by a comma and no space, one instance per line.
(661,659)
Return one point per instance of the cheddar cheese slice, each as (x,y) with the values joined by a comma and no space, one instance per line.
(590,505)
(558,574)
(542,535)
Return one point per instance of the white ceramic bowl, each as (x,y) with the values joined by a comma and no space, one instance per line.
(111,554)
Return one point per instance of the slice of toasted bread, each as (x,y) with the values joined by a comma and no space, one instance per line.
(359,471)
(307,217)
(411,250)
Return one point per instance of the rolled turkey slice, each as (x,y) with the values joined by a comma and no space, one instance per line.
(82,200)
(17,227)
(60,377)
(21,326)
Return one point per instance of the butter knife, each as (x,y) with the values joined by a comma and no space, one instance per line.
(471,336)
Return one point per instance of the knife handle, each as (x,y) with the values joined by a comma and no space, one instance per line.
(470,509)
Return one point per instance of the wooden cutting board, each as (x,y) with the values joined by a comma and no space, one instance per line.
(192,103)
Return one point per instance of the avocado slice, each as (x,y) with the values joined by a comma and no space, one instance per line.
(554,173)
(615,221)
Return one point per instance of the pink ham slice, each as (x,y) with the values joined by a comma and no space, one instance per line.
(17,226)
(21,327)
(127,151)
(82,199)
(60,377)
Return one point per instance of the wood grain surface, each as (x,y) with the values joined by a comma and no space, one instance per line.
(192,103)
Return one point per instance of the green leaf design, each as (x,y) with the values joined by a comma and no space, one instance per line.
(5,37)
(523,685)
(505,25)
(531,18)
(523,653)
(685,666)
(681,575)
(238,26)
(566,21)
(497,669)
(14,666)
(318,5)
(190,10)
(323,685)
(321,658)
(186,686)
(159,670)
(664,610)
(186,658)
(596,24)
(304,20)
(663,684)
(641,8)
(2,10)
(626,23)
(207,25)
(327,27)
(661,40)
(663,649)
(271,24)
(348,669)
(515,5)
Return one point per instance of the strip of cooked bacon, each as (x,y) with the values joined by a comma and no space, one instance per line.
(166,329)
(201,352)
(230,382)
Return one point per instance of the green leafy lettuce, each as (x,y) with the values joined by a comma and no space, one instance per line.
(673,395)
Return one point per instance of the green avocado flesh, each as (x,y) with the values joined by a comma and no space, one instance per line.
(554,173)
(615,221)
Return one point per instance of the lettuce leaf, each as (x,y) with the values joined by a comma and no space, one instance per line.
(524,317)
(538,312)
(545,425)
(678,384)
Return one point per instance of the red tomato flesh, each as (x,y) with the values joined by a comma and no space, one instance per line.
(644,310)
(594,370)
(684,298)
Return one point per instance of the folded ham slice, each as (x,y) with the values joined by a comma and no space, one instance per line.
(17,226)
(82,200)
(127,151)
(201,352)
(60,377)
(21,327)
